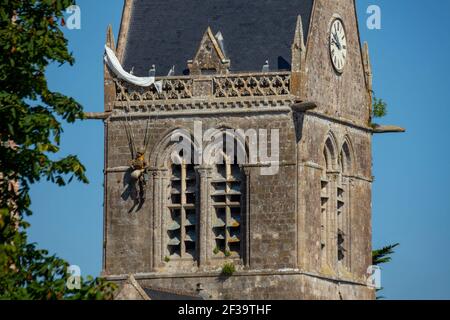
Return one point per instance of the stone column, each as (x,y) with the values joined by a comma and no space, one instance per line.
(156,188)
(333,177)
(246,216)
(203,215)
(163,212)
(349,212)
(105,196)
(159,203)
(153,173)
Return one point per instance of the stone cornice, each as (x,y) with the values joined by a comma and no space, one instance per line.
(339,120)
(205,108)
(240,273)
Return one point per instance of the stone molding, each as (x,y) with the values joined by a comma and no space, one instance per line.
(240,273)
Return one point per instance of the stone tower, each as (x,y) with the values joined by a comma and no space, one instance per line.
(295,67)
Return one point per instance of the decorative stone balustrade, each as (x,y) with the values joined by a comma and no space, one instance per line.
(215,87)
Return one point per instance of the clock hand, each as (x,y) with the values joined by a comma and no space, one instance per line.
(336,39)
(339,41)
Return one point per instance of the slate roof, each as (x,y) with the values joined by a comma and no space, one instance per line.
(168,32)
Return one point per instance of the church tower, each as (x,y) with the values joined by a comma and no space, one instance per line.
(294,70)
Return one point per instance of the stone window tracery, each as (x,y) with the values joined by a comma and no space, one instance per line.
(227,190)
(182,211)
(343,206)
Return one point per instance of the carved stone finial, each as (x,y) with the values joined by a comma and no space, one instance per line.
(110,38)
(210,57)
(110,88)
(367,66)
(368,76)
(298,46)
(298,60)
(110,42)
(124,27)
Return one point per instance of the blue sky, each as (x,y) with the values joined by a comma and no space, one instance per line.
(411,197)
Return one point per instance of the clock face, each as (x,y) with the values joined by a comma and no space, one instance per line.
(338,45)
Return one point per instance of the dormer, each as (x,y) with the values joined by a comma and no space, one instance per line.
(210,57)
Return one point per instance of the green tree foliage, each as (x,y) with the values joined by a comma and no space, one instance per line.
(379,108)
(30,132)
(383,255)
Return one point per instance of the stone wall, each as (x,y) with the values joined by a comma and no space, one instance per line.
(311,168)
(285,285)
(341,96)
(131,235)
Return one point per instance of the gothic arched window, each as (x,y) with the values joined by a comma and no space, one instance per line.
(227,202)
(343,205)
(326,196)
(335,201)
(182,220)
